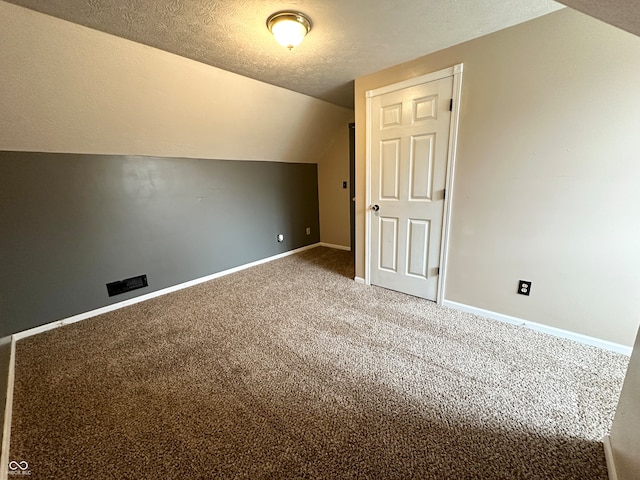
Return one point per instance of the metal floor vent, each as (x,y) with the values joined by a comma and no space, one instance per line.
(122,286)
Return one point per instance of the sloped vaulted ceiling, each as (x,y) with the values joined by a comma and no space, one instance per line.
(348,39)
(624,14)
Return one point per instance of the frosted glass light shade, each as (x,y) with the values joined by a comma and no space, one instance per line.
(289,28)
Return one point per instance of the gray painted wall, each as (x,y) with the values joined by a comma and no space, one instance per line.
(72,223)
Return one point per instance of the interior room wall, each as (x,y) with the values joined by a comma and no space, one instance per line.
(75,222)
(625,434)
(546,174)
(333,170)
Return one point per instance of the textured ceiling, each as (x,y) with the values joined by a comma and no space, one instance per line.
(349,38)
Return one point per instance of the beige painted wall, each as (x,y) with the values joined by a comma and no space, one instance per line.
(625,432)
(67,88)
(546,176)
(333,169)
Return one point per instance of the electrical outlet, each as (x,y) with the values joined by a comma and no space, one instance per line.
(280,237)
(524,287)
(308,230)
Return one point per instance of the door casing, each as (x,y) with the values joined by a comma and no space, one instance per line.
(456,73)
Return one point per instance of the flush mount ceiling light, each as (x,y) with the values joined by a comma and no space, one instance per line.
(289,28)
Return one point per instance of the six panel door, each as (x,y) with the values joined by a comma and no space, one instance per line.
(409,150)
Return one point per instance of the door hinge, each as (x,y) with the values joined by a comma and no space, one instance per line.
(444,194)
(437,270)
(451,105)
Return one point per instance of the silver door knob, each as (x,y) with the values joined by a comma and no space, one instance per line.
(375,208)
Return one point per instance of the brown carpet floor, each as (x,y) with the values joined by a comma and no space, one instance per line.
(292,370)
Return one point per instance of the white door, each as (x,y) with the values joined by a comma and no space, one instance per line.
(409,135)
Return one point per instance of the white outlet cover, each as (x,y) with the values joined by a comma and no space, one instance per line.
(280,237)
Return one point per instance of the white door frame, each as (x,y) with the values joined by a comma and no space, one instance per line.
(456,73)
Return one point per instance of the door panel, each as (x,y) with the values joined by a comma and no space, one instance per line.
(422,165)
(389,169)
(391,116)
(425,108)
(389,244)
(409,150)
(418,247)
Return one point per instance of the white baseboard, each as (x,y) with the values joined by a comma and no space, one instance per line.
(608,454)
(360,280)
(8,411)
(557,332)
(149,296)
(336,247)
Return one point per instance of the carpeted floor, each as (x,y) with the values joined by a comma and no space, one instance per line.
(292,370)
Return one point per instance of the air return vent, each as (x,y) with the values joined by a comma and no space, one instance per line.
(122,286)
